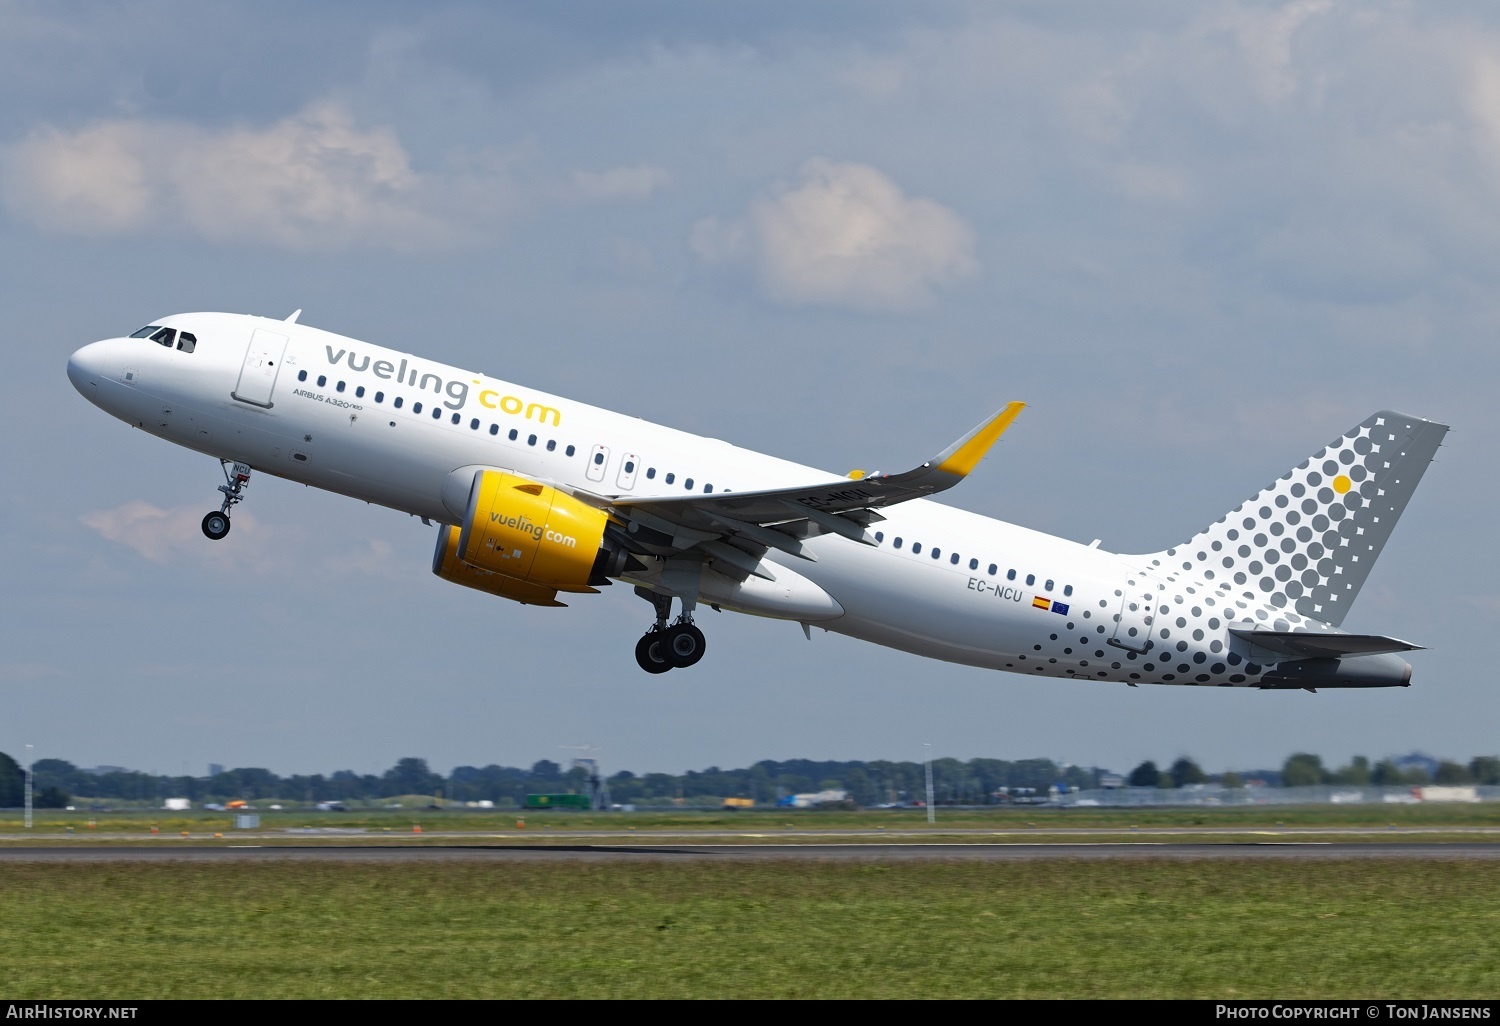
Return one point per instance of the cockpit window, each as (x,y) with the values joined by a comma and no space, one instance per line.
(165,337)
(147,331)
(187,341)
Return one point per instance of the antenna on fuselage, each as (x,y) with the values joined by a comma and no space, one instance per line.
(292,318)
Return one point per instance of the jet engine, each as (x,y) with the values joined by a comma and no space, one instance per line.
(525,541)
(447,565)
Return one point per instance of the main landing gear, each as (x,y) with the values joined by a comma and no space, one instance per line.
(664,647)
(216,523)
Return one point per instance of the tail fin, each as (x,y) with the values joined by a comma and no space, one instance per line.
(1309,539)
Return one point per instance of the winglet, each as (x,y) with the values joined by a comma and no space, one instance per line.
(960,458)
(292,318)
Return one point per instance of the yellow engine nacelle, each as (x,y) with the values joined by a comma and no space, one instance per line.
(533,533)
(447,565)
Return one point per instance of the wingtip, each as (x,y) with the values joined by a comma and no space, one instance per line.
(965,454)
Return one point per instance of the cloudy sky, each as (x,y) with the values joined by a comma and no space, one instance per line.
(1200,239)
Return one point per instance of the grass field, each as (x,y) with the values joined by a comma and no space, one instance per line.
(1361,928)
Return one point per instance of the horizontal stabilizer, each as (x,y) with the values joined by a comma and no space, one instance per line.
(1315,644)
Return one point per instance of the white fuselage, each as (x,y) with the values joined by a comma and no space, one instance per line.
(390,428)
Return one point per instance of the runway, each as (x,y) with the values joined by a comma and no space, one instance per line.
(911,852)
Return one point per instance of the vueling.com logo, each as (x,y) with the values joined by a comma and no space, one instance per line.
(456,392)
(537,531)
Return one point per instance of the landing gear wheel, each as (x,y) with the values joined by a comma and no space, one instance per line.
(216,525)
(684,644)
(651,653)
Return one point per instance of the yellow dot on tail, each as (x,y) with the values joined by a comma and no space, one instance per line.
(1342,484)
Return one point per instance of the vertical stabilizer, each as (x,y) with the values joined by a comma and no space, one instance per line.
(1308,540)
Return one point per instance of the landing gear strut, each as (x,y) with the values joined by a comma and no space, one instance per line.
(216,523)
(663,647)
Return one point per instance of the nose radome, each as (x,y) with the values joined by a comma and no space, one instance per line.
(84,365)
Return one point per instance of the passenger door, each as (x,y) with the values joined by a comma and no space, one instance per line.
(262,365)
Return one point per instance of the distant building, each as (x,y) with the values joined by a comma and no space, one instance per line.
(808,801)
(1111,780)
(214,769)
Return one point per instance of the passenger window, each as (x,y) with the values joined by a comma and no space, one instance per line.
(339,387)
(879,536)
(380,397)
(437,413)
(551,445)
(531,439)
(187,342)
(458,417)
(670,477)
(1047,586)
(897,543)
(322,380)
(473,424)
(569,451)
(514,434)
(995,570)
(916,546)
(937,553)
(416,407)
(494,429)
(708,489)
(630,466)
(1030,579)
(598,459)
(1010,575)
(1067,589)
(954,559)
(359,393)
(397,403)
(688,484)
(973,564)
(650,473)
(302,375)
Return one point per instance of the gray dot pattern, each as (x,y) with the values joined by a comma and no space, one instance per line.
(1306,543)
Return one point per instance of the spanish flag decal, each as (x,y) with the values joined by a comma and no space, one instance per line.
(1041,603)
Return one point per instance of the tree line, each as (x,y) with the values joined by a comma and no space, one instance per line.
(867,783)
(1306,770)
(58,782)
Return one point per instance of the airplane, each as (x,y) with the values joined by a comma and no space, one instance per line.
(536,496)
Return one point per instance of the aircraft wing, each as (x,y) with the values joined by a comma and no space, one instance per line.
(777,517)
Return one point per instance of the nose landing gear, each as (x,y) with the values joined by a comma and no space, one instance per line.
(664,647)
(216,523)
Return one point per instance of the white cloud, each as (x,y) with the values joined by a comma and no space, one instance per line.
(169,535)
(844,234)
(312,181)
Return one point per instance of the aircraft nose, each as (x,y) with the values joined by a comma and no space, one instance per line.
(84,366)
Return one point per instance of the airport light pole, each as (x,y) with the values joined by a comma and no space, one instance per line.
(927,762)
(28,787)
